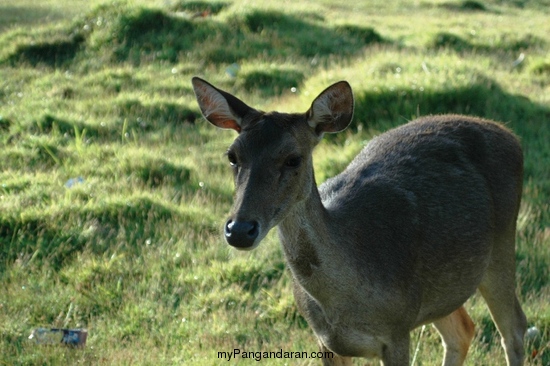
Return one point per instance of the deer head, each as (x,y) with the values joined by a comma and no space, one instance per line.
(271,157)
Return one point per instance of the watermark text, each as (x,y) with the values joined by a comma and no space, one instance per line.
(263,355)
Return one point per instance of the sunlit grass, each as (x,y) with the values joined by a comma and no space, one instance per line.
(113,190)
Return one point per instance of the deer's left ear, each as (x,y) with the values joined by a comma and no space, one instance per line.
(332,110)
(219,107)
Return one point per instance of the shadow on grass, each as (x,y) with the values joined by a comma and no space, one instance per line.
(484,99)
(5,125)
(271,81)
(466,5)
(141,120)
(157,172)
(97,228)
(152,117)
(200,8)
(506,43)
(541,68)
(56,53)
(138,34)
(487,332)
(49,123)
(472,6)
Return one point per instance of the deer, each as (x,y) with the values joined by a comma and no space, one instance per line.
(422,218)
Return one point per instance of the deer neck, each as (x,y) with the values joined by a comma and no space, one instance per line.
(305,237)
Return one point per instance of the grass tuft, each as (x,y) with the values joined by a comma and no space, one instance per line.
(154,173)
(270,81)
(114,190)
(541,68)
(156,115)
(5,124)
(467,5)
(450,41)
(484,97)
(366,35)
(53,54)
(200,8)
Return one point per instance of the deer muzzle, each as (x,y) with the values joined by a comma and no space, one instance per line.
(241,234)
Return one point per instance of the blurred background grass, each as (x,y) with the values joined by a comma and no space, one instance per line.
(113,189)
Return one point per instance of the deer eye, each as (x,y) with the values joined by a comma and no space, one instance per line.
(232,159)
(293,162)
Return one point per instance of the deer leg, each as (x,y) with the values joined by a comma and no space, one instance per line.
(396,353)
(335,360)
(498,290)
(456,331)
(508,317)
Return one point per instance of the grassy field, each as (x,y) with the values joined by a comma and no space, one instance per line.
(113,190)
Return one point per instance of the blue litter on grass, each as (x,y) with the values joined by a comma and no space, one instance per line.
(74,181)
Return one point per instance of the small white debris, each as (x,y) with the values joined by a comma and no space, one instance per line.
(532,333)
(519,60)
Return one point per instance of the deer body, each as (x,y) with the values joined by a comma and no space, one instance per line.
(418,221)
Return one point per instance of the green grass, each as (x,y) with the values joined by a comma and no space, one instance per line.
(99,94)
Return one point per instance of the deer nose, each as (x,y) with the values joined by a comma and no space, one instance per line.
(241,234)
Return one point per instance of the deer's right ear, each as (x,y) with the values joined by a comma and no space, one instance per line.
(332,110)
(219,107)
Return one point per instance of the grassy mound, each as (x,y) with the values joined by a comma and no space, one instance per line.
(114,190)
(119,32)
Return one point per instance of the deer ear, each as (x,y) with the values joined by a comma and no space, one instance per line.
(219,107)
(332,110)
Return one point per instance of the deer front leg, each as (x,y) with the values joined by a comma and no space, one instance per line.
(396,352)
(335,360)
